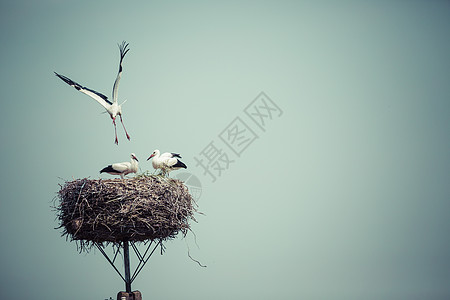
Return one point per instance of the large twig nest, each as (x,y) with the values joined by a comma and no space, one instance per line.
(114,210)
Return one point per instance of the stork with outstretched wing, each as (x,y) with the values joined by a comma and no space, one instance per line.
(113,108)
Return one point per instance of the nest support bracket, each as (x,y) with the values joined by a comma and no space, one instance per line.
(127,277)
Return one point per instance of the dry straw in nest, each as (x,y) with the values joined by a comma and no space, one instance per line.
(114,210)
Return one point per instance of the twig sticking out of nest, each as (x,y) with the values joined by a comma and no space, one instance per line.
(113,210)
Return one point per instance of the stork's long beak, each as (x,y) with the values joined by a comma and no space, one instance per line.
(135,158)
(151,156)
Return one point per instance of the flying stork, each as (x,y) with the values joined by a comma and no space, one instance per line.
(113,108)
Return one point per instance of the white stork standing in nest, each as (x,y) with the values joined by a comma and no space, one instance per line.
(167,162)
(123,168)
(113,108)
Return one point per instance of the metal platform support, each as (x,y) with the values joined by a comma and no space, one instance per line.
(142,258)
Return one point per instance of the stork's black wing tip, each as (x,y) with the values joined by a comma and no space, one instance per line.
(65,79)
(123,49)
(107,169)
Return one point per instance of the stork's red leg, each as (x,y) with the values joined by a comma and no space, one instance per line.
(115,132)
(128,137)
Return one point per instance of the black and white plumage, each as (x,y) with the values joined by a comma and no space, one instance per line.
(123,168)
(166,162)
(113,108)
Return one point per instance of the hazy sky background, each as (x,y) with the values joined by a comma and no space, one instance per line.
(346,195)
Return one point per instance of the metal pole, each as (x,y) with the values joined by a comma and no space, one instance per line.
(126,262)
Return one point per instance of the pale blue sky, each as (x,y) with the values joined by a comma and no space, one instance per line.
(343,196)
